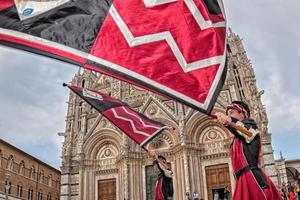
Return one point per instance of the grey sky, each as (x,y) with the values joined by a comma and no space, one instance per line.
(33,107)
(33,103)
(271,37)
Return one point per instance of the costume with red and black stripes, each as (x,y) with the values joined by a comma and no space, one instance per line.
(251,181)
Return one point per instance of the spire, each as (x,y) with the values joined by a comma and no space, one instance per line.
(281,157)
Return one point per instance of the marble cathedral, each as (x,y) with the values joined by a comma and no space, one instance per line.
(100,162)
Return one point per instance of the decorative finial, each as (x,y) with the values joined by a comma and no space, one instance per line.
(281,157)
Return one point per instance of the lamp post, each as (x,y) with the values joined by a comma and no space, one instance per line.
(7,185)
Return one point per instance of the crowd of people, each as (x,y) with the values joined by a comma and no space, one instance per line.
(195,196)
(290,191)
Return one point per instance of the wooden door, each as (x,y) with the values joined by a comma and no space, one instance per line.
(217,178)
(107,189)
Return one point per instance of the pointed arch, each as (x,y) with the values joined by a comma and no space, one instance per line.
(32,172)
(202,128)
(10,163)
(21,170)
(50,180)
(167,139)
(41,176)
(95,146)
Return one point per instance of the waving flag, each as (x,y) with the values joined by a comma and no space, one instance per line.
(173,47)
(135,125)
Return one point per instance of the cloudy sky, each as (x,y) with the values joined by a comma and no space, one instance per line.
(33,102)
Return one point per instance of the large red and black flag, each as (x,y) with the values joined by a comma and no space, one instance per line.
(135,125)
(173,47)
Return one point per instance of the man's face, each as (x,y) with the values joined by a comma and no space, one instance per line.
(236,114)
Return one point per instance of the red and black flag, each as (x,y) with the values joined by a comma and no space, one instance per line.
(172,47)
(135,125)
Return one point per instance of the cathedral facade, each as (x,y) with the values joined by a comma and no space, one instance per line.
(100,162)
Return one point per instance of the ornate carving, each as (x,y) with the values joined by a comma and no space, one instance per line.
(152,110)
(103,80)
(107,153)
(160,142)
(212,135)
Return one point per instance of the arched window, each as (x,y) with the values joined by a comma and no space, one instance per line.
(83,83)
(7,186)
(32,173)
(80,111)
(41,176)
(10,163)
(40,195)
(30,193)
(50,180)
(58,184)
(238,81)
(22,168)
(19,190)
(49,196)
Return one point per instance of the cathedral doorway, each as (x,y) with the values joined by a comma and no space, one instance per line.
(107,189)
(217,178)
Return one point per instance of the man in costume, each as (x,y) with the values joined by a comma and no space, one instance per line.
(251,182)
(164,183)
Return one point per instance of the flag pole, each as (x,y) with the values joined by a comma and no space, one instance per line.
(235,126)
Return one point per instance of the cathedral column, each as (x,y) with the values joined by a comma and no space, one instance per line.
(125,148)
(85,185)
(126,188)
(81,183)
(186,171)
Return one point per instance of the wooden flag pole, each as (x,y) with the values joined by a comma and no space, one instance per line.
(237,127)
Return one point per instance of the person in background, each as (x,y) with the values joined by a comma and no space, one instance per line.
(164,183)
(216,195)
(284,191)
(298,190)
(291,193)
(227,193)
(187,196)
(195,195)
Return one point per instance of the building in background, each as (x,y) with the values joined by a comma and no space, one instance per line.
(23,176)
(288,170)
(100,162)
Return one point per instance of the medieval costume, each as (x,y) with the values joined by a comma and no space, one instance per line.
(251,182)
(164,183)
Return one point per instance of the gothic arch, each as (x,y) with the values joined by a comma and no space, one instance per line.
(292,173)
(201,129)
(168,138)
(164,141)
(10,163)
(170,135)
(105,143)
(21,169)
(211,133)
